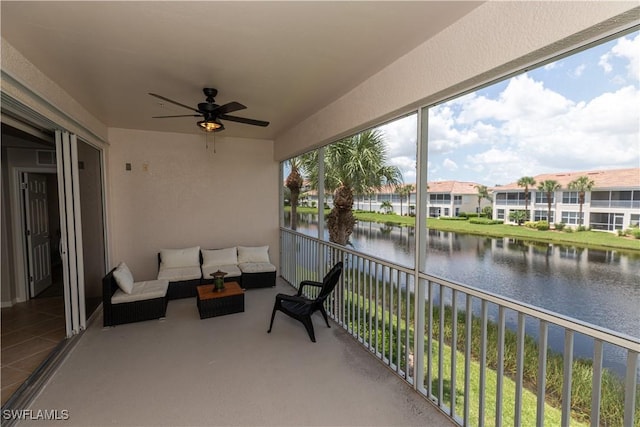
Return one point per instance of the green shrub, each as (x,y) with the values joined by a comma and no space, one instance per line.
(568,230)
(453,218)
(559,226)
(542,225)
(635,233)
(582,228)
(484,221)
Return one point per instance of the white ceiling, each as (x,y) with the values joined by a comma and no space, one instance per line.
(283,60)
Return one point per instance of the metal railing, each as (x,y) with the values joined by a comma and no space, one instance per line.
(408,320)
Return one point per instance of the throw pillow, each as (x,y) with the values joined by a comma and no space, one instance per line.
(253,254)
(124,278)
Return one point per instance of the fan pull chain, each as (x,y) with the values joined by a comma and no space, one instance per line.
(206,136)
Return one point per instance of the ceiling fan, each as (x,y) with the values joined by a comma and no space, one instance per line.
(212,112)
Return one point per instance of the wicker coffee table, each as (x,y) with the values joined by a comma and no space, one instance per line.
(213,303)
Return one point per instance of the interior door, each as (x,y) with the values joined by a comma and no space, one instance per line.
(38,237)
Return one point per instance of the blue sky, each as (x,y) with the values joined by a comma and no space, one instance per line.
(581,112)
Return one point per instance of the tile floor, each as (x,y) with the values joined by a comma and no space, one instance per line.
(30,331)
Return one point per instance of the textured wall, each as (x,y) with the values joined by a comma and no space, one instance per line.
(181,194)
(493,40)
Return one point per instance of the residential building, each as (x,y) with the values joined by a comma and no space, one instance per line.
(450,198)
(612,204)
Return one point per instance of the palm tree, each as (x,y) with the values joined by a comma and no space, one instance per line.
(404,191)
(582,184)
(351,165)
(386,206)
(549,187)
(526,182)
(294,183)
(517,216)
(483,193)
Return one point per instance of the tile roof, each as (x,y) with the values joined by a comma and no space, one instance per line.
(612,178)
(453,187)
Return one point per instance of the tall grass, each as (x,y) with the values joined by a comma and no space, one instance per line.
(612,395)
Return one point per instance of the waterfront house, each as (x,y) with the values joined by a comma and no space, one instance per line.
(612,204)
(450,198)
(76,78)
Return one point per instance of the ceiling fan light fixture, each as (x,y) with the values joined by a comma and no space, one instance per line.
(210,125)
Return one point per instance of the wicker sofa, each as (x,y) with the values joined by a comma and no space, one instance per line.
(248,265)
(187,268)
(125,301)
(181,268)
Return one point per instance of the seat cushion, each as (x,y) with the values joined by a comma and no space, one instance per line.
(176,258)
(179,274)
(232,270)
(257,267)
(211,257)
(253,254)
(141,291)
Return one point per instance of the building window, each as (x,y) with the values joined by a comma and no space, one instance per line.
(440,198)
(635,219)
(572,218)
(570,197)
(541,215)
(541,197)
(606,221)
(500,214)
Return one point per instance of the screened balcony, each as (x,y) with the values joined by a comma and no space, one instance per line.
(183,371)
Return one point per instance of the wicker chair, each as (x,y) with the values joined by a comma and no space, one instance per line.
(129,312)
(301,307)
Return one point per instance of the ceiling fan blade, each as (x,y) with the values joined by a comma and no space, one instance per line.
(244,120)
(173,102)
(181,115)
(229,108)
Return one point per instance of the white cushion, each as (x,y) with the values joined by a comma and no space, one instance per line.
(188,257)
(142,291)
(232,270)
(253,254)
(256,267)
(227,256)
(123,277)
(179,274)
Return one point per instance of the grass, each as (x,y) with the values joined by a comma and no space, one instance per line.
(612,403)
(590,239)
(552,415)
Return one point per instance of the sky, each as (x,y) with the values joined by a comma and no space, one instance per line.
(581,112)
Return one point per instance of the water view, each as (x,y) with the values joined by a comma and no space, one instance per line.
(594,286)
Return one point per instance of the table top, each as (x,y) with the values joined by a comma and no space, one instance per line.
(209,291)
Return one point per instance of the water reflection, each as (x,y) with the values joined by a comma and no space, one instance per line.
(595,286)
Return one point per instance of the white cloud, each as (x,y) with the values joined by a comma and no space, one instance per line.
(627,49)
(523,96)
(529,130)
(449,164)
(577,72)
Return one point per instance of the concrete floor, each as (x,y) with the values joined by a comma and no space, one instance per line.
(183,371)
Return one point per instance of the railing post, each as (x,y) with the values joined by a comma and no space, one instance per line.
(567,371)
(630,388)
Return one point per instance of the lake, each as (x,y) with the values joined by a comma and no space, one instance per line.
(595,286)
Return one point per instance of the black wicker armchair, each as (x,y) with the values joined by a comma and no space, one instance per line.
(301,307)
